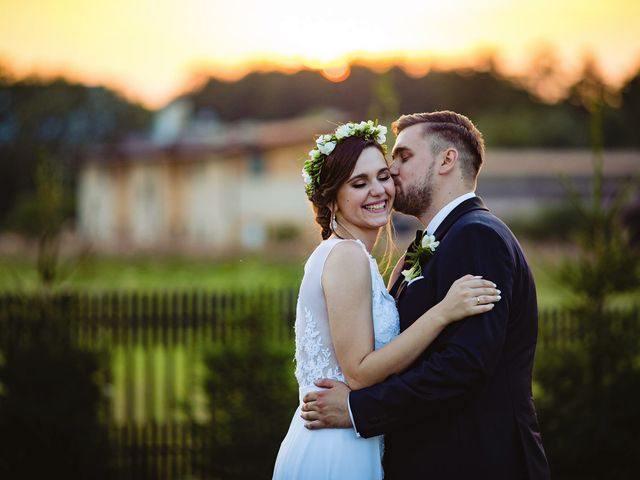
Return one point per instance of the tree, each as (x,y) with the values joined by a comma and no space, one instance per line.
(56,120)
(590,388)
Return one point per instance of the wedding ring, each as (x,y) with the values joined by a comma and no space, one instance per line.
(477,300)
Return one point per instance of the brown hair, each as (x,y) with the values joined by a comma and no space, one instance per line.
(336,170)
(446,129)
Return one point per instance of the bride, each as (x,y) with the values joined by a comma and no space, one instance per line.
(347,325)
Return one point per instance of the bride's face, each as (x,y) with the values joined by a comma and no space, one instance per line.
(364,201)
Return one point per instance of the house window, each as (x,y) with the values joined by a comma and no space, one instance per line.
(257,164)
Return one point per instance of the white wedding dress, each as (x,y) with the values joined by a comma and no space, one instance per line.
(330,453)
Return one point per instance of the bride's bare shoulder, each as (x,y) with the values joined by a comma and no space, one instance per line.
(347,262)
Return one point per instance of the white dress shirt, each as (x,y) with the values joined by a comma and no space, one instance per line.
(446,210)
(430,230)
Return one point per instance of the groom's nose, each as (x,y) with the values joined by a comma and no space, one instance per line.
(393,169)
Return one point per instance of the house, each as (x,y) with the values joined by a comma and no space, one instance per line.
(200,185)
(206,186)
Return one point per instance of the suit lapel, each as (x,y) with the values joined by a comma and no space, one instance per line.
(474,203)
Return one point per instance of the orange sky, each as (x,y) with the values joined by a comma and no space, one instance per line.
(153,49)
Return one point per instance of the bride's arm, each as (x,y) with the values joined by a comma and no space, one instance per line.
(346,281)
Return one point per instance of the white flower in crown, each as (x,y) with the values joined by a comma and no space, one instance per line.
(306,177)
(327,148)
(382,134)
(322,139)
(429,242)
(343,131)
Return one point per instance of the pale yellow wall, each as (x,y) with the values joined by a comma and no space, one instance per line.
(120,172)
(97,218)
(210,204)
(211,201)
(175,181)
(148,220)
(288,161)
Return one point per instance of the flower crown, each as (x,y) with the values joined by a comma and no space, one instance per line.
(326,143)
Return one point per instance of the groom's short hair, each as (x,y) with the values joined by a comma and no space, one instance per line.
(447,129)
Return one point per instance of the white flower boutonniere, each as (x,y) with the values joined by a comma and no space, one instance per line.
(426,249)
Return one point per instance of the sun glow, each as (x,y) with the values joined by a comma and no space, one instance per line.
(152,49)
(339,73)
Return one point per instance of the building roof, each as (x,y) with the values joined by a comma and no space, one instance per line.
(237,137)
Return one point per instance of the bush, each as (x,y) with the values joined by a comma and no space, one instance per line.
(51,400)
(590,393)
(252,395)
(588,398)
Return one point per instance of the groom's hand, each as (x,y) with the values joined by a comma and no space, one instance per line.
(327,408)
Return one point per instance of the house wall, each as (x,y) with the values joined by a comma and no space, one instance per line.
(271,197)
(97,205)
(210,208)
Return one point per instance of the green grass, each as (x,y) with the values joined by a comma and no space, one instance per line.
(544,261)
(100,273)
(162,273)
(173,273)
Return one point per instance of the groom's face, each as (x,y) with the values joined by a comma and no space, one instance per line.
(413,171)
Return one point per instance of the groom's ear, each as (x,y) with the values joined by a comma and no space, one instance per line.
(448,160)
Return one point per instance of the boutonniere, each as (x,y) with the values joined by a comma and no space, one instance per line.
(425,249)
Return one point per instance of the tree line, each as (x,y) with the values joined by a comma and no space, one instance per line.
(507,111)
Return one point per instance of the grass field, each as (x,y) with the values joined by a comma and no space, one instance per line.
(161,273)
(99,273)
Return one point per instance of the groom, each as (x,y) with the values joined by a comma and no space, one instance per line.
(464,409)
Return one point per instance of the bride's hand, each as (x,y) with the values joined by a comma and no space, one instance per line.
(467,296)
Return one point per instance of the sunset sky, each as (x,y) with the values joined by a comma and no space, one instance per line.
(152,49)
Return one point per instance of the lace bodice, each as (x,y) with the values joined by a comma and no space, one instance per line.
(315,356)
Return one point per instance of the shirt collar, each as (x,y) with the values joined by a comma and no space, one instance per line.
(446,210)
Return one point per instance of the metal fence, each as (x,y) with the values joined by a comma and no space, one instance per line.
(155,345)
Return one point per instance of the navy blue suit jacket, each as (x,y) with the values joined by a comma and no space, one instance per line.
(464,409)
